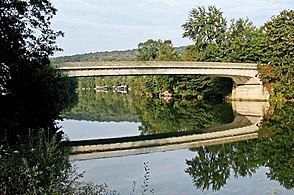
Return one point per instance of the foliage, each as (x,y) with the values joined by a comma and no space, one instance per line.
(205,26)
(190,85)
(156,50)
(180,85)
(26,37)
(215,41)
(277,146)
(278,54)
(193,53)
(33,93)
(37,166)
(242,42)
(42,166)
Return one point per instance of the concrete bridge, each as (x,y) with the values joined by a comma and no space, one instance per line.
(244,127)
(245,75)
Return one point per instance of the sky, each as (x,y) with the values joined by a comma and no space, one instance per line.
(107,25)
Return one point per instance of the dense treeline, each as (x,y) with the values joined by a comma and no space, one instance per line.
(239,41)
(277,48)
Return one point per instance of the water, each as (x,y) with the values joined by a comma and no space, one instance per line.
(167,175)
(85,130)
(253,166)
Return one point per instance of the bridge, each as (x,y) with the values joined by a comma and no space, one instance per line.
(245,126)
(247,85)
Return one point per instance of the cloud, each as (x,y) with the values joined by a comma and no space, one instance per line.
(94,25)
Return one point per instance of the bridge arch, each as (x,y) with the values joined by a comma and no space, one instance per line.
(247,85)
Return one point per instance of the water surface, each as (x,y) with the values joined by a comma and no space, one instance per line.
(256,166)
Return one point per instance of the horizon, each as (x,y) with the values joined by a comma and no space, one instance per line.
(104,26)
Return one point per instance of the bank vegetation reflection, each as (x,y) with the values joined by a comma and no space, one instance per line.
(212,166)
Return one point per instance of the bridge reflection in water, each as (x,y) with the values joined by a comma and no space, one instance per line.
(245,126)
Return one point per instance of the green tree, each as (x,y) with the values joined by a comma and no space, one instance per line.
(242,44)
(33,93)
(148,50)
(205,26)
(156,50)
(193,53)
(167,52)
(278,53)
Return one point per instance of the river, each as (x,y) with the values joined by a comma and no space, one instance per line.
(261,163)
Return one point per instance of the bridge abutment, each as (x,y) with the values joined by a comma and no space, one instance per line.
(249,89)
(248,92)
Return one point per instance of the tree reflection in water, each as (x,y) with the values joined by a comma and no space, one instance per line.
(213,165)
(157,116)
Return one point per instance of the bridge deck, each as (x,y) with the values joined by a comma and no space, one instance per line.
(155,64)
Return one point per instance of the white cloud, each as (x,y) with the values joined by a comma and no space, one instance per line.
(93,25)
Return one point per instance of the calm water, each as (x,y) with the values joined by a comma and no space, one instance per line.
(168,176)
(84,130)
(246,167)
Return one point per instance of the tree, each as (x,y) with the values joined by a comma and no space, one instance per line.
(242,42)
(278,53)
(193,53)
(205,26)
(33,93)
(167,52)
(148,50)
(156,50)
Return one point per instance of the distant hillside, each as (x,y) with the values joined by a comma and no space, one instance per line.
(126,55)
